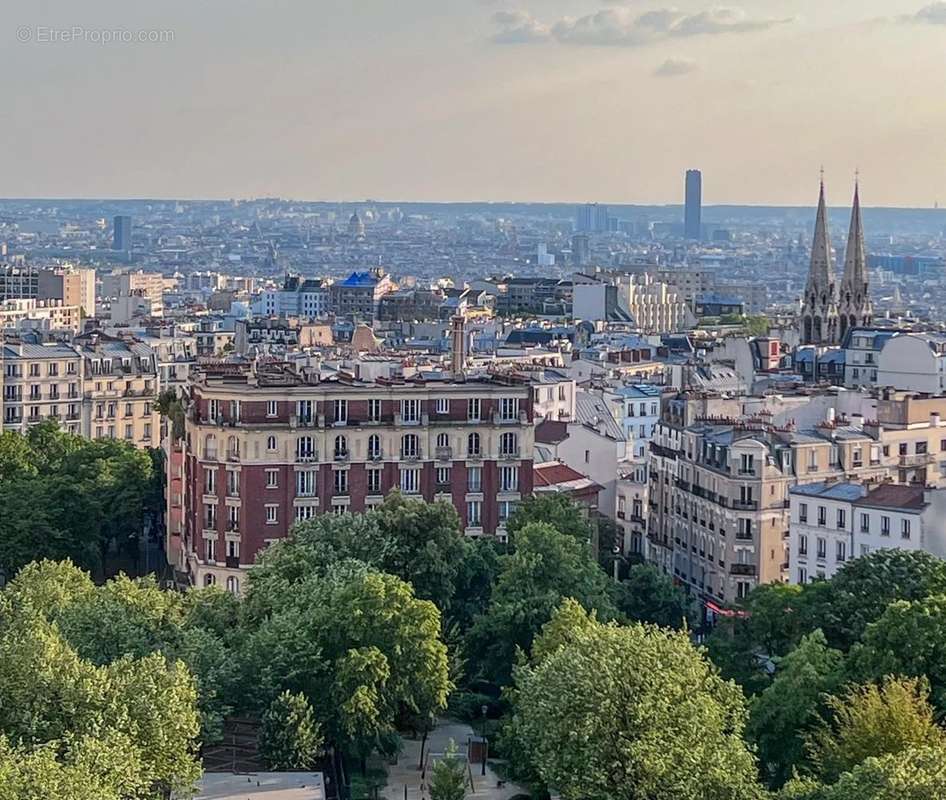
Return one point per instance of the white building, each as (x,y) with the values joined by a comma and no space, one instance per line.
(914,362)
(297,298)
(833,523)
(637,410)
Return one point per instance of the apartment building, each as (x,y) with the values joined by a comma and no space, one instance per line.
(45,315)
(719,494)
(98,387)
(270,445)
(71,286)
(359,295)
(18,280)
(631,513)
(832,523)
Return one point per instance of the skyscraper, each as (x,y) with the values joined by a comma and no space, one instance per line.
(592,218)
(121,233)
(692,219)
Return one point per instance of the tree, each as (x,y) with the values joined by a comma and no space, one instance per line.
(358,637)
(290,736)
(551,509)
(780,716)
(633,713)
(918,774)
(169,406)
(908,639)
(448,781)
(477,572)
(546,567)
(647,595)
(873,720)
(863,588)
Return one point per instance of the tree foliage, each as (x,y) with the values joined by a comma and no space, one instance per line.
(648,595)
(632,712)
(290,736)
(448,780)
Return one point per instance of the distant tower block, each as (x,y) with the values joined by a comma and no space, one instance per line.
(693,210)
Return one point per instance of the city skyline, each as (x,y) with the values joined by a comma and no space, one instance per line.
(564,101)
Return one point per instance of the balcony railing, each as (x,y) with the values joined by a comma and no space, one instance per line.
(444,453)
(742,569)
(918,460)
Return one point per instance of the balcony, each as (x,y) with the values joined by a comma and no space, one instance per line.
(477,456)
(518,419)
(918,460)
(511,455)
(341,456)
(307,457)
(745,505)
(233,562)
(742,569)
(376,455)
(622,515)
(444,453)
(410,455)
(233,455)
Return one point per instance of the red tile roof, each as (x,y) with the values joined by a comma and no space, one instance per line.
(552,474)
(891,495)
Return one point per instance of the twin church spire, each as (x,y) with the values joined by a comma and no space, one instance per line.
(830,309)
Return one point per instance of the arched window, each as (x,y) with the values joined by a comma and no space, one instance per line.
(233,585)
(271,444)
(374,446)
(341,447)
(233,447)
(443,440)
(509,444)
(410,446)
(473,444)
(210,446)
(209,579)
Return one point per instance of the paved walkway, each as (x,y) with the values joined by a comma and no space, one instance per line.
(406,773)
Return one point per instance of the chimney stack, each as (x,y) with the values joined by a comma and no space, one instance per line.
(457,345)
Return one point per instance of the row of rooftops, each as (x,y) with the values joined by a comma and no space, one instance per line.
(900,497)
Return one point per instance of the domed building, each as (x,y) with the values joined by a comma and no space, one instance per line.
(356,227)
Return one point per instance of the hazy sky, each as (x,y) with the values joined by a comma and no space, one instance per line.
(556,100)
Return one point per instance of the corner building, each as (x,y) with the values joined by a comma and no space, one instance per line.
(267,447)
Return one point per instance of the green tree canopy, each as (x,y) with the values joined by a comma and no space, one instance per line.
(546,567)
(635,713)
(448,781)
(873,720)
(782,715)
(290,736)
(648,595)
(551,509)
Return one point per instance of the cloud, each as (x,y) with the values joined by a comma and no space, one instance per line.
(518,27)
(933,14)
(624,27)
(674,67)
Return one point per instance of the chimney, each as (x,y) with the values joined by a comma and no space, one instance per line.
(934,419)
(457,346)
(829,416)
(857,422)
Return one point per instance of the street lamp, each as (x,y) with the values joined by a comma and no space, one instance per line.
(484,708)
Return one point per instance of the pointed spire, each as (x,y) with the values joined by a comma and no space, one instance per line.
(855,255)
(820,273)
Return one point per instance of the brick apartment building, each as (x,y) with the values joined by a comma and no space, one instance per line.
(267,446)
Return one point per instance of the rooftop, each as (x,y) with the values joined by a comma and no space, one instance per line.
(831,491)
(261,786)
(890,495)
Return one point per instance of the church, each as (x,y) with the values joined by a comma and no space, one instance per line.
(830,310)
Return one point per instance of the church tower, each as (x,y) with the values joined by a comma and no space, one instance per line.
(819,315)
(855,307)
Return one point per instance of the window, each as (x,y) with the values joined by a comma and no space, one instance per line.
(341,481)
(473,444)
(272,408)
(410,446)
(233,483)
(374,410)
(410,411)
(842,519)
(233,585)
(857,458)
(233,548)
(803,512)
(410,481)
(341,448)
(305,512)
(841,551)
(374,447)
(803,545)
(210,481)
(903,448)
(506,507)
(209,579)
(340,411)
(865,523)
(509,479)
(822,548)
(34,370)
(443,440)
(272,514)
(306,483)
(210,548)
(305,448)
(905,528)
(746,463)
(443,476)
(509,408)
(885,526)
(374,481)
(234,410)
(271,444)
(921,448)
(509,444)
(473,409)
(443,405)
(802,575)
(474,513)
(474,479)
(272,479)
(822,516)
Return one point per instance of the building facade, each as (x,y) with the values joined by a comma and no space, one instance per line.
(270,446)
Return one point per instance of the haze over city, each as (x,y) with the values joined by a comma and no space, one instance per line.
(559,100)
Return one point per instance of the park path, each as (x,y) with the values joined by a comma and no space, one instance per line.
(406,773)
